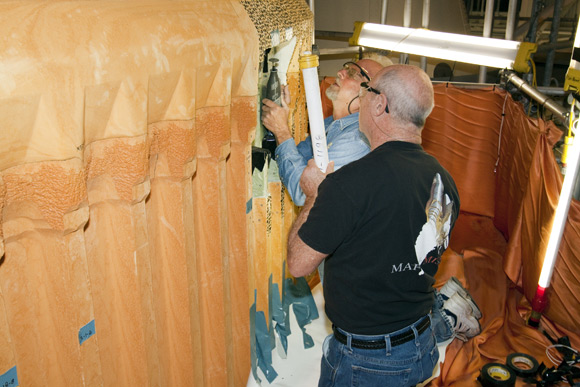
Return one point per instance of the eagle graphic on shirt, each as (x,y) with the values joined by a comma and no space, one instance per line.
(434,236)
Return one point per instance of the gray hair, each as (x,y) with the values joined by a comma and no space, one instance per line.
(409,94)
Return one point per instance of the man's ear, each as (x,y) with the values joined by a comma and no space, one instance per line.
(380,105)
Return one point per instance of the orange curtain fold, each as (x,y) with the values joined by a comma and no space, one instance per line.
(326,103)
(463,131)
(509,184)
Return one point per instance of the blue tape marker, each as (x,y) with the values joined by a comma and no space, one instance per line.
(300,297)
(85,332)
(271,320)
(248,206)
(277,313)
(9,379)
(253,345)
(262,340)
(263,348)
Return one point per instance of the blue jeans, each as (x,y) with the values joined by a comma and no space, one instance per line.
(403,365)
(442,324)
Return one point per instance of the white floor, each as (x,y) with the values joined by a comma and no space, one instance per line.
(301,367)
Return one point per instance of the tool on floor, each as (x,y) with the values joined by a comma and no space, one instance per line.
(522,365)
(496,374)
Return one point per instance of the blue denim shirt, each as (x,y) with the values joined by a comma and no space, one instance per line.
(345,144)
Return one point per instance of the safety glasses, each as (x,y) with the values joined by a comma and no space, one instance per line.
(353,70)
(365,85)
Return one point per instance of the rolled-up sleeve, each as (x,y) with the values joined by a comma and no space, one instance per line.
(345,144)
(292,161)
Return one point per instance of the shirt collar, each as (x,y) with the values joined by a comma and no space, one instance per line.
(348,120)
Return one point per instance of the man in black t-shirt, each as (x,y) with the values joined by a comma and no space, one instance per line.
(381,224)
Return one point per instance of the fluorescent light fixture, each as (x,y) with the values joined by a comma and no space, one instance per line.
(540,299)
(461,48)
(561,214)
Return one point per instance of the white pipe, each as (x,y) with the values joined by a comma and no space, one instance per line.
(407,13)
(354,50)
(384,12)
(511,20)
(425,24)
(309,66)
(426,10)
(487,24)
(406,23)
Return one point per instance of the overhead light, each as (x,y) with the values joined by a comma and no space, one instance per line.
(443,45)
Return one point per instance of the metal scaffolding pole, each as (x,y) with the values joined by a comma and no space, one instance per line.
(553,40)
(384,12)
(533,23)
(545,101)
(511,20)
(406,23)
(487,26)
(425,24)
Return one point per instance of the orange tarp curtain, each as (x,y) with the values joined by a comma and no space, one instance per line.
(509,184)
(326,103)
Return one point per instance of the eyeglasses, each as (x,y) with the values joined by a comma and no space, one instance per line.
(351,70)
(365,85)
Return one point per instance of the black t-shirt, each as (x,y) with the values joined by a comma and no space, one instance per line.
(368,216)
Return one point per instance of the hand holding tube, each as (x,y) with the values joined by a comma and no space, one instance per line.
(312,177)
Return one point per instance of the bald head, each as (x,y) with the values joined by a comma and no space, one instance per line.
(409,93)
(370,66)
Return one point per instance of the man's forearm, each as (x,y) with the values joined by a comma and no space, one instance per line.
(302,216)
(302,259)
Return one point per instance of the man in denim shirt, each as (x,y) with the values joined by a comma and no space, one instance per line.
(345,142)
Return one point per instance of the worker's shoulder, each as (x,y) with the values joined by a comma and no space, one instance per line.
(359,170)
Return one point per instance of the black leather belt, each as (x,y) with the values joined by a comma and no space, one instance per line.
(398,339)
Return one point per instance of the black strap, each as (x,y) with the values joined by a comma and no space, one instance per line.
(398,339)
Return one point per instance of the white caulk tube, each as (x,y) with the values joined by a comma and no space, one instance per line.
(309,66)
